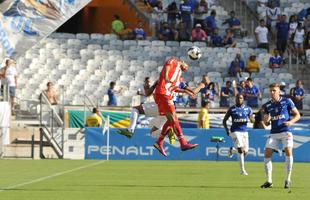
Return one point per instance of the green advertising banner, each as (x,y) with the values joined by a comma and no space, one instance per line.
(117,119)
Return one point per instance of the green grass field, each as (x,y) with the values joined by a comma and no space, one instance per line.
(173,180)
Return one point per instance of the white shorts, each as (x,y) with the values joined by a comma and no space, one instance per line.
(285,138)
(158,122)
(150,109)
(241,140)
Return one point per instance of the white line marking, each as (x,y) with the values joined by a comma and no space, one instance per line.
(50,176)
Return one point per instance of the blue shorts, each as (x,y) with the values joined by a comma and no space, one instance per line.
(12,91)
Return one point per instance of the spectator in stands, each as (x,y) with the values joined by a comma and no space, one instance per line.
(10,76)
(186,9)
(240,89)
(234,23)
(297,95)
(211,23)
(236,66)
(2,79)
(200,13)
(117,25)
(261,8)
(51,93)
(192,102)
(252,94)
(94,120)
(259,120)
(139,33)
(307,24)
(208,94)
(166,33)
(228,40)
(226,93)
(198,34)
(273,15)
(203,116)
(275,61)
(292,25)
(216,40)
(158,13)
(111,93)
(261,34)
(183,33)
(282,89)
(307,41)
(276,3)
(282,28)
(299,38)
(173,14)
(252,65)
(302,15)
(126,33)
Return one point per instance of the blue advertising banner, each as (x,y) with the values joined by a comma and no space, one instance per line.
(140,146)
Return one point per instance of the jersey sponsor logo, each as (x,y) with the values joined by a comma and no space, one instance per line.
(277,117)
(241,120)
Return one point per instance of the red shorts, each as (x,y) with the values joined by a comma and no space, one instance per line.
(164,103)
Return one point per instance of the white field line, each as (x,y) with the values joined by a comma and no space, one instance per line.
(50,176)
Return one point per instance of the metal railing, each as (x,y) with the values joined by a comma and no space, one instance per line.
(51,122)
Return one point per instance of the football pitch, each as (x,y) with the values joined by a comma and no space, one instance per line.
(171,180)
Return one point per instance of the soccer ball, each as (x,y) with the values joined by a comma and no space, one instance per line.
(194,53)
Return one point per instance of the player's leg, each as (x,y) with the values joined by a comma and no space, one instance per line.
(287,143)
(179,133)
(134,114)
(272,143)
(159,145)
(242,150)
(233,150)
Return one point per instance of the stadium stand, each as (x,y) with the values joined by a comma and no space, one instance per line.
(81,66)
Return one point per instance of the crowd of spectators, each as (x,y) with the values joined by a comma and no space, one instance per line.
(289,32)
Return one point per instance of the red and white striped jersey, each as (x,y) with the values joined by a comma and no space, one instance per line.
(174,75)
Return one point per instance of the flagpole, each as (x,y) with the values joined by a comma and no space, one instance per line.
(108,137)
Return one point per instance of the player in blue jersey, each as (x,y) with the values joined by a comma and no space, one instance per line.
(282,114)
(240,115)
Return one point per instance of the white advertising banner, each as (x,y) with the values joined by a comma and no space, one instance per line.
(23,23)
(5,113)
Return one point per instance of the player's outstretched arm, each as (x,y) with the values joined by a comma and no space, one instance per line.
(149,91)
(199,87)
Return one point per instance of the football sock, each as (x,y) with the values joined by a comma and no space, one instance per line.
(241,161)
(133,119)
(164,131)
(268,169)
(179,133)
(289,167)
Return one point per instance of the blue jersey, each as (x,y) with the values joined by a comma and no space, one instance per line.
(112,98)
(280,113)
(252,101)
(240,117)
(276,60)
(297,92)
